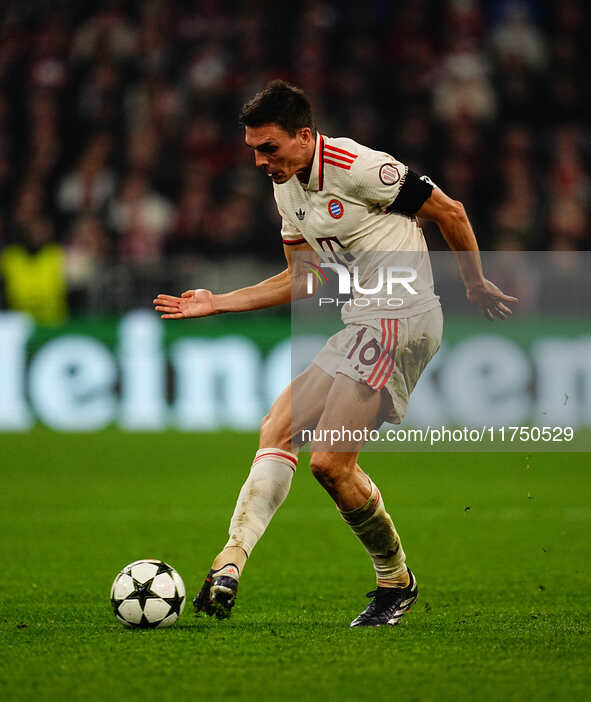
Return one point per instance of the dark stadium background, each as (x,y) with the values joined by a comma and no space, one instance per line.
(123,174)
(119,143)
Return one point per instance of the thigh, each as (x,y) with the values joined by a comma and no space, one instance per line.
(363,351)
(298,407)
(419,340)
(351,411)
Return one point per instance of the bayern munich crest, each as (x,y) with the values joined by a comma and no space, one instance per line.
(335,209)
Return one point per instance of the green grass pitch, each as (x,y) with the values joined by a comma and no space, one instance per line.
(499,543)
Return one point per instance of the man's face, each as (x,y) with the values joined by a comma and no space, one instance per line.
(279,154)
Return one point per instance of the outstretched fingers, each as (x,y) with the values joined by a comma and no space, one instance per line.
(165,299)
(169,306)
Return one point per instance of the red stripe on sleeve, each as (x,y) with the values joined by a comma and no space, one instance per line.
(340,151)
(340,165)
(345,159)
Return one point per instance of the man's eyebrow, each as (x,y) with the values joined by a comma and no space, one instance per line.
(265,146)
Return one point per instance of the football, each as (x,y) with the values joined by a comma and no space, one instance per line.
(148,594)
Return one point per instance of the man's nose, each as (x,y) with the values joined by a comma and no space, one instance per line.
(260,159)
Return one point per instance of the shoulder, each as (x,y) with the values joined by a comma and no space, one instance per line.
(53,248)
(11,251)
(356,159)
(340,152)
(342,160)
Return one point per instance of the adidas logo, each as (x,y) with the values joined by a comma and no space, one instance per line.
(300,214)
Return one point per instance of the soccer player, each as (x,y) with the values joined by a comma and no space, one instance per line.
(342,201)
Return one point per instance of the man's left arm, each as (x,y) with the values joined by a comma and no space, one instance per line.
(381,180)
(451,218)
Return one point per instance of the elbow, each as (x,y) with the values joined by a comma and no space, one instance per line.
(455,213)
(450,215)
(302,286)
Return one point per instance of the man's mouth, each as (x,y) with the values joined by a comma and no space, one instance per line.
(274,174)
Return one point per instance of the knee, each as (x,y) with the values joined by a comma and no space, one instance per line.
(273,433)
(327,469)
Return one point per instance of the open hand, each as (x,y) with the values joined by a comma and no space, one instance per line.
(192,303)
(490,299)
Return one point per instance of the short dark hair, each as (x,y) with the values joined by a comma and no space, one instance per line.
(278,103)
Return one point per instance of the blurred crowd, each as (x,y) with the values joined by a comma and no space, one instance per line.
(119,139)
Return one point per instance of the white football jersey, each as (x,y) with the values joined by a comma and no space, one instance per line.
(341,213)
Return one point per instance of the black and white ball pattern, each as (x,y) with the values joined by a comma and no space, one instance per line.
(148,594)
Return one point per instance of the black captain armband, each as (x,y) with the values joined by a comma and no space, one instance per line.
(412,194)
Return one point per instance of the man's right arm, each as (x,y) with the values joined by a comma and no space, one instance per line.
(203,303)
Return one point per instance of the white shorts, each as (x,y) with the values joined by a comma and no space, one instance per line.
(386,354)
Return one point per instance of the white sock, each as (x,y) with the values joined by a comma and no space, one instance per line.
(373,526)
(261,495)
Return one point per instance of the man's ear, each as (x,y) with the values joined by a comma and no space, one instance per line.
(305,135)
